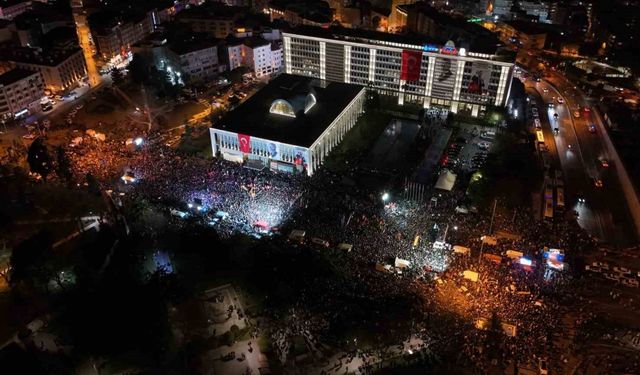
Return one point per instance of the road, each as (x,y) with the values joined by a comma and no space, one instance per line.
(82,28)
(604,214)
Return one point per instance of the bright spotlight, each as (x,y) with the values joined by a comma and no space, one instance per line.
(385,197)
(138,141)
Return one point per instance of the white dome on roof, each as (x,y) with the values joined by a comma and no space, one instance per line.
(282,107)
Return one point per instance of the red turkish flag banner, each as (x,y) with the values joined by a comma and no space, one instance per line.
(411,62)
(245,143)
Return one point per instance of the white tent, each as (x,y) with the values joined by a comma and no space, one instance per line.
(514,254)
(489,240)
(470,275)
(446,180)
(461,250)
(402,263)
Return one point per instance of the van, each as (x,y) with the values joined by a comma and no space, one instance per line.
(345,247)
(488,135)
(610,276)
(319,242)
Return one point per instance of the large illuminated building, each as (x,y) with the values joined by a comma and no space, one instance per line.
(290,125)
(467,77)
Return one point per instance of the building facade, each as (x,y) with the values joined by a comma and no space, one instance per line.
(426,74)
(262,57)
(291,134)
(118,39)
(218,26)
(199,63)
(10,9)
(20,92)
(61,69)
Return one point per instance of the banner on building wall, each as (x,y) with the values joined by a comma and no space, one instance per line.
(446,70)
(245,143)
(411,62)
(300,158)
(480,74)
(273,149)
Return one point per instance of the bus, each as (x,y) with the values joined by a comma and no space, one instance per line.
(540,136)
(548,209)
(548,192)
(560,198)
(536,123)
(559,180)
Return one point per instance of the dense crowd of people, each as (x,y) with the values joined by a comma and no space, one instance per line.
(381,231)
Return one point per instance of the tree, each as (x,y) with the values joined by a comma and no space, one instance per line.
(39,159)
(117,76)
(235,76)
(139,69)
(63,165)
(31,260)
(94,186)
(5,262)
(373,101)
(450,118)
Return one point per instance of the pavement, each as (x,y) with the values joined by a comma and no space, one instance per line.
(339,364)
(433,154)
(393,144)
(220,322)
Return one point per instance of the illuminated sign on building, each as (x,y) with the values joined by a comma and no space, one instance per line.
(430,48)
(449,49)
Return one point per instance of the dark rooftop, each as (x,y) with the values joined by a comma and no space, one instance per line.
(15,75)
(255,41)
(313,10)
(211,10)
(195,44)
(527,27)
(253,117)
(338,32)
(39,57)
(489,46)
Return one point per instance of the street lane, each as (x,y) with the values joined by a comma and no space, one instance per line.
(604,214)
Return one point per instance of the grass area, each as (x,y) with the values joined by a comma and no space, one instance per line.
(264,344)
(198,144)
(358,140)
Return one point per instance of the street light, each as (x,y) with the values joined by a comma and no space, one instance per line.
(385,197)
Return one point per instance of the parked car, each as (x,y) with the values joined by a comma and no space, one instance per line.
(484,145)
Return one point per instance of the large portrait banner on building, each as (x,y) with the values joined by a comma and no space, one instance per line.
(480,74)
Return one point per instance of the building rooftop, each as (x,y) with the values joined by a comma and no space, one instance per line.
(8,3)
(526,27)
(454,27)
(254,118)
(313,10)
(211,10)
(378,38)
(15,75)
(38,56)
(196,44)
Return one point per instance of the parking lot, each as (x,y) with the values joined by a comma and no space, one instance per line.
(468,151)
